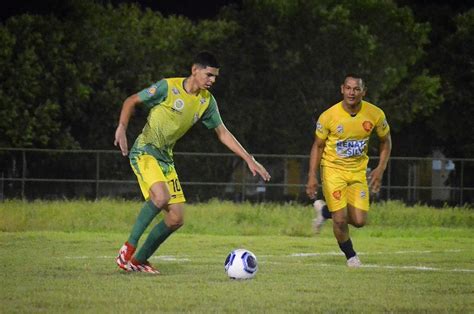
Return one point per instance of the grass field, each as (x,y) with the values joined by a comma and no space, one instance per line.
(59,257)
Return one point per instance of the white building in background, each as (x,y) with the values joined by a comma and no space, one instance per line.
(440,172)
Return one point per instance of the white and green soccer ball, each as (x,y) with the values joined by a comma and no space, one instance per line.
(241,264)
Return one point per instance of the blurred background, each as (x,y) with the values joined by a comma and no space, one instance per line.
(67,66)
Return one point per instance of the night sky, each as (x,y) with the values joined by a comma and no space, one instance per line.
(438,13)
(208,9)
(194,9)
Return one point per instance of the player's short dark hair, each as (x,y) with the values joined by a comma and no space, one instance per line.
(206,59)
(355,76)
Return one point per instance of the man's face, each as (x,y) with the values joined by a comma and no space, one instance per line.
(205,77)
(352,91)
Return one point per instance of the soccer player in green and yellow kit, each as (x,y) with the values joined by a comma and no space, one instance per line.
(340,152)
(175,105)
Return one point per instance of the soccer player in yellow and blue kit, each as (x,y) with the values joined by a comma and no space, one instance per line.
(175,105)
(340,152)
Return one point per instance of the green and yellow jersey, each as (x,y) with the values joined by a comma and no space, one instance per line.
(347,137)
(172,113)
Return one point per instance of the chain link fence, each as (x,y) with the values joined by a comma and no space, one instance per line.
(92,174)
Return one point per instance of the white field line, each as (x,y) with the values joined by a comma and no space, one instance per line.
(421,268)
(372,253)
(171,258)
(413,252)
(160,258)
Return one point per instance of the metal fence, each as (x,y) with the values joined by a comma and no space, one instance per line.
(93,174)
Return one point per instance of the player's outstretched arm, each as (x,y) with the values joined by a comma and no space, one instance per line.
(228,139)
(125,115)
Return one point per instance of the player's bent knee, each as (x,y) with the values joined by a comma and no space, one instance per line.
(358,221)
(175,223)
(358,224)
(178,225)
(160,202)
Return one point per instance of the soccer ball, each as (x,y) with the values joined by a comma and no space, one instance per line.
(241,264)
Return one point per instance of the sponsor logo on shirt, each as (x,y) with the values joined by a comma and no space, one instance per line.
(367,125)
(151,90)
(363,194)
(350,148)
(337,195)
(319,127)
(340,129)
(178,105)
(175,91)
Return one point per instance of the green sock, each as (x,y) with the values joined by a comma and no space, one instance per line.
(157,235)
(147,213)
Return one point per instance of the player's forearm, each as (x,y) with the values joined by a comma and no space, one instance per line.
(231,142)
(128,108)
(228,139)
(385,150)
(314,160)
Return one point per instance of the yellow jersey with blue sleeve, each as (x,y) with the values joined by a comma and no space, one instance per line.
(347,136)
(172,113)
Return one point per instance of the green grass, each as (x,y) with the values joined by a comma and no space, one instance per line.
(58,257)
(223,218)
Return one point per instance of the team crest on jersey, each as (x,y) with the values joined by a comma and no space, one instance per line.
(178,105)
(363,194)
(340,129)
(151,90)
(175,91)
(202,101)
(367,125)
(337,195)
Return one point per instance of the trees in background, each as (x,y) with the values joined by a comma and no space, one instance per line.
(64,78)
(454,61)
(449,56)
(293,56)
